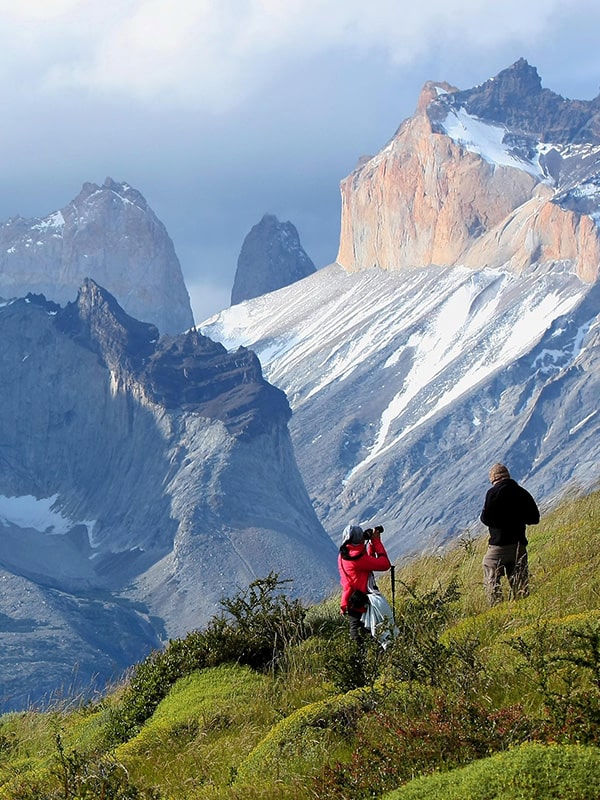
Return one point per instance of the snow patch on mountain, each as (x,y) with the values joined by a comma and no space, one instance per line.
(451,340)
(551,360)
(53,221)
(489,142)
(583,422)
(473,323)
(32,512)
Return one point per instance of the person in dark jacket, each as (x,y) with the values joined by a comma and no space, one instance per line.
(357,559)
(507,510)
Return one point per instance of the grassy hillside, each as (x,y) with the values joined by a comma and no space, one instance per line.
(272,700)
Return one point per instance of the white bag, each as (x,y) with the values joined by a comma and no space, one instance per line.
(379,619)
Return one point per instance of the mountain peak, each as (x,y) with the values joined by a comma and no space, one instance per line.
(521,77)
(189,371)
(97,321)
(515,98)
(93,194)
(504,174)
(108,233)
(271,257)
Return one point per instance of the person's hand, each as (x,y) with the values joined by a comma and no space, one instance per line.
(376,532)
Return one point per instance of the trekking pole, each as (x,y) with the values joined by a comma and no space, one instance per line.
(393,578)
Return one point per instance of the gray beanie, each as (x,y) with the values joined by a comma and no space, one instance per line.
(498,473)
(353,534)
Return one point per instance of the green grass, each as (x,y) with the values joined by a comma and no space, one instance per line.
(529,772)
(470,701)
(191,734)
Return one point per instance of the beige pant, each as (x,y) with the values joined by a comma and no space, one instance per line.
(509,560)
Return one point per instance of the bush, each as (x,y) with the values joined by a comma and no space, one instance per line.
(258,626)
(350,664)
(417,653)
(150,683)
(209,721)
(75,775)
(83,777)
(423,736)
(563,658)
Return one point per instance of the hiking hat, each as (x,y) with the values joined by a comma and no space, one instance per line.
(353,534)
(498,473)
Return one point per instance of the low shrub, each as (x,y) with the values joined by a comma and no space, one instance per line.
(562,657)
(209,721)
(259,624)
(351,664)
(424,650)
(149,684)
(75,775)
(417,652)
(393,746)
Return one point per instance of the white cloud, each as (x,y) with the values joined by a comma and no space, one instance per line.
(36,9)
(214,53)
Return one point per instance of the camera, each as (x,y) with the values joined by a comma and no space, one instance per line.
(368,534)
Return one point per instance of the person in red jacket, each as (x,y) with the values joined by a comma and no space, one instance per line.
(357,559)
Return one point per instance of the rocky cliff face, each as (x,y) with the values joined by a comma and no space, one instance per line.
(504,175)
(107,233)
(271,257)
(168,470)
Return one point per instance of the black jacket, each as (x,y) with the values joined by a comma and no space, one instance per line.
(508,508)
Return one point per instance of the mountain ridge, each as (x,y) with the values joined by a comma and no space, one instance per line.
(546,117)
(158,499)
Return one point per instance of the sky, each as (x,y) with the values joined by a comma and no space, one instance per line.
(220,111)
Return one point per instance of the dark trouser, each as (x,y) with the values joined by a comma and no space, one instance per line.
(509,560)
(355,626)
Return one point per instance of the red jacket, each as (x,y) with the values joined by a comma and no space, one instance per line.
(355,571)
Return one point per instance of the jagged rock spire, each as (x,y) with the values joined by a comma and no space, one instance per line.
(271,257)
